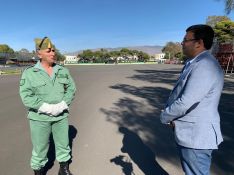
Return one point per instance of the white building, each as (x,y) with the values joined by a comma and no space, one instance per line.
(70,59)
(159,57)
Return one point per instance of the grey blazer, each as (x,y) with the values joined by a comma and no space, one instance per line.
(193,104)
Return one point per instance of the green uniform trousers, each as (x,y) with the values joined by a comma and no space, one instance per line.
(40,134)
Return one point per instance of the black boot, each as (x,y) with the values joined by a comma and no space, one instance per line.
(38,172)
(64,169)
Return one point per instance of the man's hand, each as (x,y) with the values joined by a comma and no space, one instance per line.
(171,125)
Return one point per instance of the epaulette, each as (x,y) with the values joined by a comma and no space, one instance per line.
(33,68)
(29,67)
(36,69)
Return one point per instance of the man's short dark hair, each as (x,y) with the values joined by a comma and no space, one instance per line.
(203,32)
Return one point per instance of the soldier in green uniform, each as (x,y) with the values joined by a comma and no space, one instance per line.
(47,89)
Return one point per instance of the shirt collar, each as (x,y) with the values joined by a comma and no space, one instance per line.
(38,67)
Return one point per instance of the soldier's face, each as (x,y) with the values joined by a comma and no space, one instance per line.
(47,55)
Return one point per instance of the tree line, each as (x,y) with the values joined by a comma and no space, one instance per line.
(103,56)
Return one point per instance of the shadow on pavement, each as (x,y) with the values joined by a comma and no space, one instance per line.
(125,163)
(140,153)
(51,152)
(157,76)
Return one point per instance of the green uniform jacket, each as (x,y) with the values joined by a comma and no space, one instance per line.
(37,87)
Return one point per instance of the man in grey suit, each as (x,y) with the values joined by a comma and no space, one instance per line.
(192,108)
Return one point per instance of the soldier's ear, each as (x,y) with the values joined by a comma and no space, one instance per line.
(39,54)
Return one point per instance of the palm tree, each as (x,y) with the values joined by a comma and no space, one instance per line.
(229,6)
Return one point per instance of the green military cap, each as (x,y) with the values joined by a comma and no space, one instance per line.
(44,43)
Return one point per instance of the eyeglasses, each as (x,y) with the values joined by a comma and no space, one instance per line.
(187,40)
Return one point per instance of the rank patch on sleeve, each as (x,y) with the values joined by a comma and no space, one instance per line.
(22,82)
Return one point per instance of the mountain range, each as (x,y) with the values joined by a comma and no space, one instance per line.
(150,50)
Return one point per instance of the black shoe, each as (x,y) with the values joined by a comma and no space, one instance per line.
(38,172)
(64,169)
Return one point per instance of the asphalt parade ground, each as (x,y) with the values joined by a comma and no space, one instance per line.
(114,124)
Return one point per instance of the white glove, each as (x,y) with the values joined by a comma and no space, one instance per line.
(46,108)
(59,108)
(53,109)
(64,105)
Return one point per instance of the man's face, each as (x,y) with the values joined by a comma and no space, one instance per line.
(189,45)
(47,55)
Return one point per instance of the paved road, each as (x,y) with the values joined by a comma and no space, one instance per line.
(114,124)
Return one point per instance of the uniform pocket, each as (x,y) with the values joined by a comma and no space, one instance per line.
(39,83)
(39,86)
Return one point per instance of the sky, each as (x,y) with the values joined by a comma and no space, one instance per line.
(74,25)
